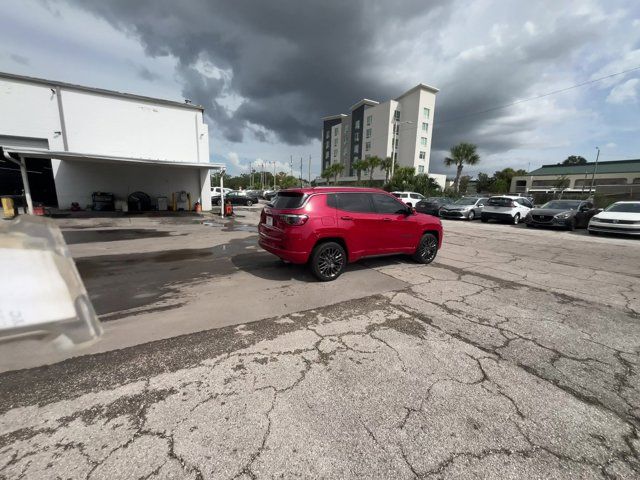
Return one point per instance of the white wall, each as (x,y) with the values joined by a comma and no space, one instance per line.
(76,181)
(29,111)
(107,125)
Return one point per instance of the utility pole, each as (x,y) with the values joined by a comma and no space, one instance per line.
(274,175)
(301,185)
(291,166)
(309,169)
(250,175)
(595,170)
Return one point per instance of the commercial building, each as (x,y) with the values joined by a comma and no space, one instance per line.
(400,128)
(70,141)
(619,178)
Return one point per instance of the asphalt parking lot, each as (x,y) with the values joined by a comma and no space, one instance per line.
(514,355)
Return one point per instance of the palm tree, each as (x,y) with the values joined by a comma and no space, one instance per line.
(461,154)
(336,169)
(387,165)
(359,166)
(373,163)
(327,174)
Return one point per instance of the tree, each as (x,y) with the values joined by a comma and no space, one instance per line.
(484,183)
(373,163)
(359,166)
(462,154)
(327,173)
(387,165)
(464,184)
(427,186)
(403,179)
(575,160)
(506,175)
(336,169)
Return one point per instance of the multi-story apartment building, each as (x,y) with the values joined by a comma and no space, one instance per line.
(400,128)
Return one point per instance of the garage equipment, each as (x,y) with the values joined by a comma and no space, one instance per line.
(103,202)
(8,208)
(181,201)
(163,204)
(139,202)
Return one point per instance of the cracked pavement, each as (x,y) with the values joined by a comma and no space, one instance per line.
(514,355)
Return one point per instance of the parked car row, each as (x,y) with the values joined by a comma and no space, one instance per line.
(620,217)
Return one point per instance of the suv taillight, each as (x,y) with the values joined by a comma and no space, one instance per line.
(291,219)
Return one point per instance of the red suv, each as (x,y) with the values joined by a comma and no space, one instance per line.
(329,227)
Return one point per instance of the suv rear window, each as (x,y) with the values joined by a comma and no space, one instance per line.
(287,200)
(500,202)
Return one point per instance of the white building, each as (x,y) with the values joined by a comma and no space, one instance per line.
(74,140)
(400,128)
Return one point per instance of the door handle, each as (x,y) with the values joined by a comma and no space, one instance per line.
(346,218)
(386,219)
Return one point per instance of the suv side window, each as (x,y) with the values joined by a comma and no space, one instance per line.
(387,205)
(355,202)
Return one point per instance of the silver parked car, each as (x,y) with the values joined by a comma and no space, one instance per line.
(468,208)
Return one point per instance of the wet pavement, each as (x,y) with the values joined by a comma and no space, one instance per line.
(515,355)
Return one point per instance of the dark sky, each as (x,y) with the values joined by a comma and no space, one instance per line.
(267,71)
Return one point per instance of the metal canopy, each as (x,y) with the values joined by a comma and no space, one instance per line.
(90,157)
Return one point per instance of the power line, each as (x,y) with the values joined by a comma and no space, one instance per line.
(554,92)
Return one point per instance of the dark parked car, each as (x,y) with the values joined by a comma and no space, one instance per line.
(432,205)
(269,194)
(237,198)
(469,208)
(569,214)
(330,227)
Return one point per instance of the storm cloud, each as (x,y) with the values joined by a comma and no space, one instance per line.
(272,69)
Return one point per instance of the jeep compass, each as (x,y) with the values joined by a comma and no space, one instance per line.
(330,227)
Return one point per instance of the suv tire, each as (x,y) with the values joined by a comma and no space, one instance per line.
(427,249)
(516,219)
(483,219)
(328,261)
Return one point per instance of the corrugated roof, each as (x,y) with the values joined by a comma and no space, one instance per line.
(616,166)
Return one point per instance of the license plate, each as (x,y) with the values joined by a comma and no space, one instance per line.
(269,221)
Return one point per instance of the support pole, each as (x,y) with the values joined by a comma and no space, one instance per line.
(25,184)
(25,179)
(222,193)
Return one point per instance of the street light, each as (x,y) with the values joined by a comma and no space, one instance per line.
(393,143)
(595,170)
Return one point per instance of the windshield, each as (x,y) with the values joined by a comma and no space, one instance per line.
(466,201)
(500,202)
(562,204)
(285,200)
(624,207)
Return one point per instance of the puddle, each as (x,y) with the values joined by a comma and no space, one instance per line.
(90,236)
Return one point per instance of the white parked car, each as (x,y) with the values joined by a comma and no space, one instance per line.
(619,217)
(408,198)
(506,208)
(216,191)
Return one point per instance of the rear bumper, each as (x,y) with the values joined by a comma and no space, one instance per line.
(277,247)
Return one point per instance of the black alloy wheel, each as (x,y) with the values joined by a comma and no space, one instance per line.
(328,261)
(427,249)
